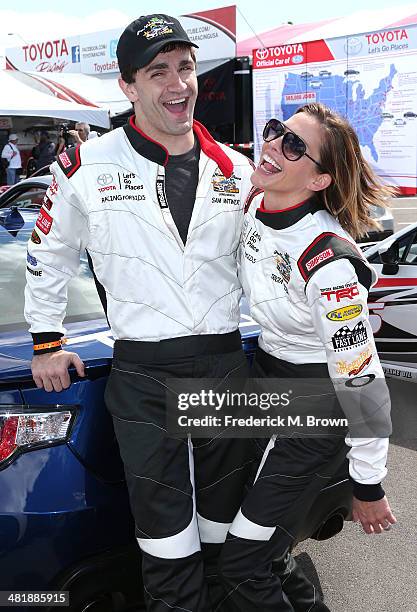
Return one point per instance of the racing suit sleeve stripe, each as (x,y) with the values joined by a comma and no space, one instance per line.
(61,233)
(329,247)
(338,303)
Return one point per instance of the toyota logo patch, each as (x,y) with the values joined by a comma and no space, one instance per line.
(104,179)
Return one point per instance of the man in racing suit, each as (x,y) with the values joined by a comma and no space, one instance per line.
(158,205)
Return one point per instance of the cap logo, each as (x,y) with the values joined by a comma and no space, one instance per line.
(155,27)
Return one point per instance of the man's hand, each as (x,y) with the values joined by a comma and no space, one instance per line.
(375,516)
(50,370)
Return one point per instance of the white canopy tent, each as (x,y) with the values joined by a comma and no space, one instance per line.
(102,91)
(22,97)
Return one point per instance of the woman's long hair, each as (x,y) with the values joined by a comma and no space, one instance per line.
(354,187)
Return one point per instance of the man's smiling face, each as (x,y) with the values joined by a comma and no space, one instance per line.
(164,94)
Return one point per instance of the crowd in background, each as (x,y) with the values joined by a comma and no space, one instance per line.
(43,153)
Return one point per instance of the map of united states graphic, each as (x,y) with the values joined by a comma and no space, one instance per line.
(344,94)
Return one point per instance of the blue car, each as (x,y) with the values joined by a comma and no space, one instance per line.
(65,522)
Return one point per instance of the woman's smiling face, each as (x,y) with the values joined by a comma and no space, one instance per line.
(276,173)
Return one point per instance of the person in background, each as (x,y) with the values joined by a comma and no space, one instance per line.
(81,133)
(44,152)
(62,142)
(12,158)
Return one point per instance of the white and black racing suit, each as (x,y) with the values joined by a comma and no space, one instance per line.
(173,310)
(307,285)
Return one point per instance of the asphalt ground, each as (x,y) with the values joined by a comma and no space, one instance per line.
(404,211)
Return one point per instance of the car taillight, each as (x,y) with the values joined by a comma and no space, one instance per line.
(25,428)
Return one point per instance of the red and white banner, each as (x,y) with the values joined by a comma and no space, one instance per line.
(213,31)
(292,54)
(57,55)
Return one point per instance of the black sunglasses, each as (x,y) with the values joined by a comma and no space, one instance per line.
(293,147)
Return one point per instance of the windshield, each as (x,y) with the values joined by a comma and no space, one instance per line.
(83,300)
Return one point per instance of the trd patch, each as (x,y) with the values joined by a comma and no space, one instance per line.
(69,161)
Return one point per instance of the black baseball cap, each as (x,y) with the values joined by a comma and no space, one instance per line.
(144,38)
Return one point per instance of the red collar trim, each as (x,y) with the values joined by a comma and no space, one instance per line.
(283,210)
(210,147)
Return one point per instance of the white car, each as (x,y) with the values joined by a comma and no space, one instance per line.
(393,302)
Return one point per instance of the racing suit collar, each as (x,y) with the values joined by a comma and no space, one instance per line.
(157,153)
(281,219)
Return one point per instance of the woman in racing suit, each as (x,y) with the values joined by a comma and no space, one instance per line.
(307,285)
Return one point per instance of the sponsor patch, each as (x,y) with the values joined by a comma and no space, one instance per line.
(250,257)
(65,160)
(345,313)
(328,247)
(130,182)
(34,272)
(253,240)
(317,259)
(47,203)
(53,187)
(104,179)
(155,27)
(221,184)
(31,260)
(341,293)
(283,265)
(122,198)
(70,161)
(360,381)
(35,237)
(346,338)
(44,221)
(352,368)
(107,188)
(160,192)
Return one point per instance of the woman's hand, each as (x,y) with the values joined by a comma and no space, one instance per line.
(375,516)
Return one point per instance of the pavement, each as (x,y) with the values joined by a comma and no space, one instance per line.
(404,211)
(376,573)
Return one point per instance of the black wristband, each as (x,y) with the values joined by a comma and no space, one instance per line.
(367,492)
(44,338)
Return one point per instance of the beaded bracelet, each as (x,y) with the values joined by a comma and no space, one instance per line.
(49,345)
